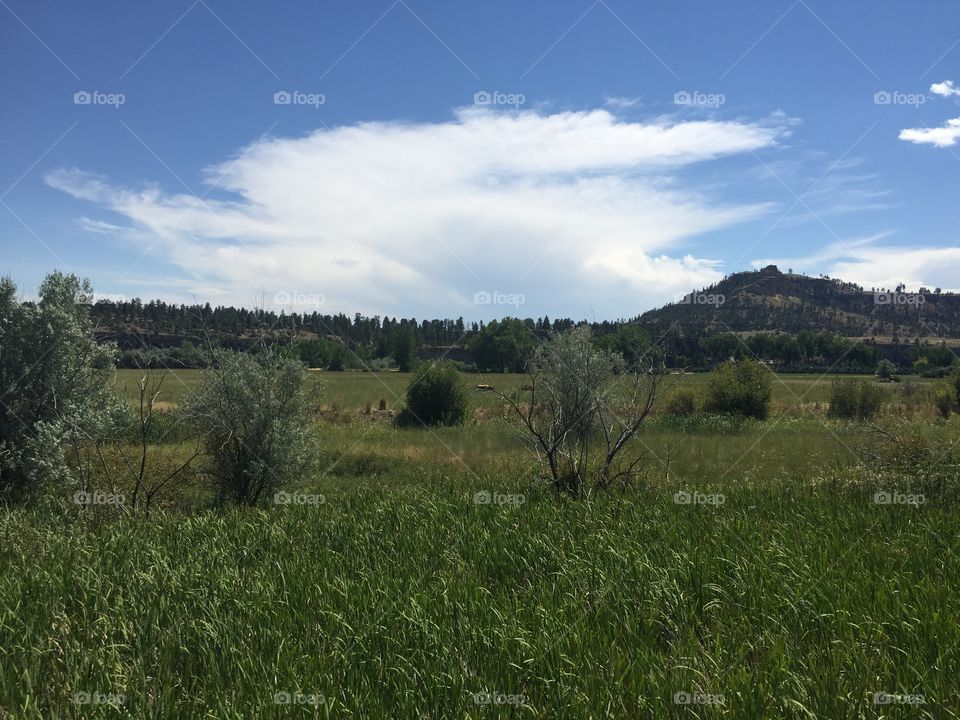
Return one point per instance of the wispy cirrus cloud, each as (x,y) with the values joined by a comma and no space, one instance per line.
(619,103)
(573,210)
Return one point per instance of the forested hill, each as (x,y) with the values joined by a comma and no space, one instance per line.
(796,323)
(770,300)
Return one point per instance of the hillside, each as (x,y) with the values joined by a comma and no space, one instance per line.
(769,300)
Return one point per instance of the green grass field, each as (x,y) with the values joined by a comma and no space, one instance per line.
(353,389)
(390,589)
(402,598)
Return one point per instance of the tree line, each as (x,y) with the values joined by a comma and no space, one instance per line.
(172,335)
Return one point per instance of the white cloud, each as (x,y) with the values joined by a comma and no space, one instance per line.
(862,261)
(578,211)
(945,89)
(945,136)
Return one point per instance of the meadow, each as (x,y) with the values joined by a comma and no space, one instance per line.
(353,389)
(751,573)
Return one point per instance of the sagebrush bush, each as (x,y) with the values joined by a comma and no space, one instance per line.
(855,400)
(437,395)
(584,409)
(254,414)
(54,380)
(740,387)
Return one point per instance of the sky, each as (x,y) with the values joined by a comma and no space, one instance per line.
(588,159)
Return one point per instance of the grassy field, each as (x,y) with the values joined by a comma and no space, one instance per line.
(352,390)
(431,574)
(403,598)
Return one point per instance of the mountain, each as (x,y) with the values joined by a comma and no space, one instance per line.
(769,300)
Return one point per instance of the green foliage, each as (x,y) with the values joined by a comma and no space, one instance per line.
(255,416)
(629,341)
(932,356)
(323,353)
(575,378)
(724,346)
(583,411)
(187,355)
(855,400)
(683,402)
(917,459)
(946,394)
(944,399)
(740,387)
(503,346)
(437,395)
(886,370)
(54,381)
(403,347)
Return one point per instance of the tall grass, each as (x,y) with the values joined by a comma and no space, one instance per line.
(400,597)
(752,570)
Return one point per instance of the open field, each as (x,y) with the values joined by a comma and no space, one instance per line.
(351,390)
(390,588)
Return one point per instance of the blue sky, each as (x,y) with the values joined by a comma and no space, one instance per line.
(583,159)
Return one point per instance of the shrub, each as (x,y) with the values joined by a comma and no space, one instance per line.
(55,384)
(583,411)
(886,370)
(437,395)
(740,387)
(254,414)
(683,402)
(917,461)
(855,400)
(944,400)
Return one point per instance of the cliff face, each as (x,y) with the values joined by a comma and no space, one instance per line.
(769,300)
